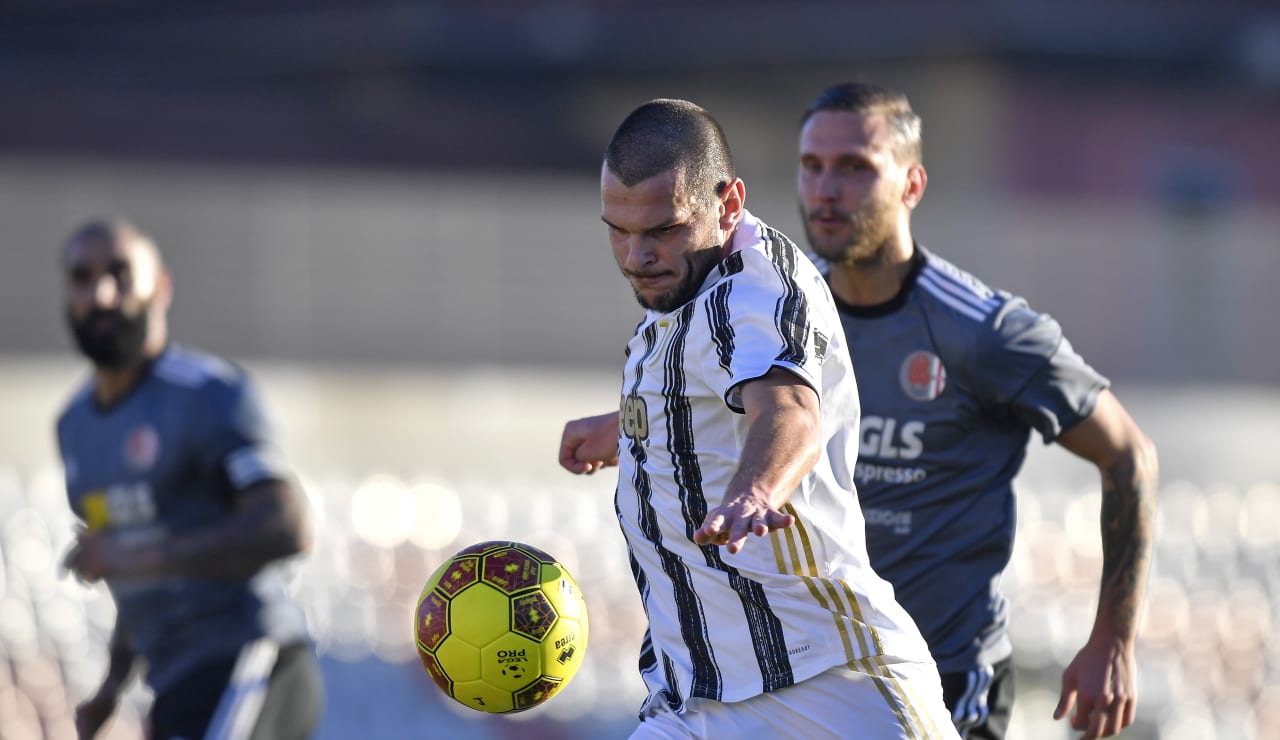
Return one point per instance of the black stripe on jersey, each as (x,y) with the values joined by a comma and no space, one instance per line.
(707,681)
(693,623)
(648,656)
(731,265)
(673,680)
(721,329)
(792,314)
(767,637)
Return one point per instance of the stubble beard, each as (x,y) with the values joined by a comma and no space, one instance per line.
(116,350)
(867,245)
(698,264)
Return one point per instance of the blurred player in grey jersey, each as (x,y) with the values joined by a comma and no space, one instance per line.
(187,509)
(953,377)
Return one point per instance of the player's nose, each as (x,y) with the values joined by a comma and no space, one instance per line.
(106,292)
(640,253)
(826,186)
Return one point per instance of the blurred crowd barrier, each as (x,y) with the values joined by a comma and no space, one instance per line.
(1209,656)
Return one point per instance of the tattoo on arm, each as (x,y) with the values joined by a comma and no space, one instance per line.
(270,523)
(1128,522)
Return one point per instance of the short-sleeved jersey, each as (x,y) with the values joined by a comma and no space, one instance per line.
(168,459)
(953,376)
(789,605)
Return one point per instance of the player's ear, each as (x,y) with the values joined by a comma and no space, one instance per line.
(733,197)
(164,289)
(917,181)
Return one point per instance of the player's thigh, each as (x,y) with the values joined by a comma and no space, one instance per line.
(981,700)
(185,709)
(903,702)
(295,697)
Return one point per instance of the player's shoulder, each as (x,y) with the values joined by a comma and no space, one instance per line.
(958,293)
(765,253)
(995,321)
(190,369)
(79,402)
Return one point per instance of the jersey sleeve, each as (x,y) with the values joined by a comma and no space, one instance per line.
(238,440)
(1029,368)
(758,322)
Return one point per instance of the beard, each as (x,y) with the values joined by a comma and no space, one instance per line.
(871,230)
(698,264)
(118,347)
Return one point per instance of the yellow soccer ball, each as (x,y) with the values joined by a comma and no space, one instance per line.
(501,627)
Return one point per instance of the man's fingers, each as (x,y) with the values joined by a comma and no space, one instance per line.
(1097,723)
(1067,699)
(778,520)
(1084,712)
(1114,717)
(569,458)
(711,530)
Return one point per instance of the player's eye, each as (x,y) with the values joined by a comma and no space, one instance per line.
(80,275)
(119,270)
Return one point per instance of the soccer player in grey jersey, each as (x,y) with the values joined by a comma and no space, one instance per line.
(186,510)
(953,377)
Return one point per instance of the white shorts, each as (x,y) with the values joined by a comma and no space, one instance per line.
(840,703)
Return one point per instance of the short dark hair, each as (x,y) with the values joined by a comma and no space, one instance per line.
(110,229)
(865,97)
(664,135)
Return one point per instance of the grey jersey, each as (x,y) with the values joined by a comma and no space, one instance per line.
(165,460)
(953,376)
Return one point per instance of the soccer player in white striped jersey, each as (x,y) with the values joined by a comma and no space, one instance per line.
(953,378)
(735,441)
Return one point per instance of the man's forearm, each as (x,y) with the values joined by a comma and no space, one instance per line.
(269,525)
(1128,523)
(121,662)
(779,451)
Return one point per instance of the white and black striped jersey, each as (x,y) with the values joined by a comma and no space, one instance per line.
(801,600)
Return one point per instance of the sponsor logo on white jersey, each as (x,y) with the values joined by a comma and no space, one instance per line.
(922,375)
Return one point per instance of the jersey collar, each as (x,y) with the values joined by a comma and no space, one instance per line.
(918,258)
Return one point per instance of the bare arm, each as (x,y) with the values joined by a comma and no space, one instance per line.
(1102,678)
(590,444)
(92,714)
(783,442)
(268,522)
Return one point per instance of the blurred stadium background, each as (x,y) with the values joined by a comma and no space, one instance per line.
(389,212)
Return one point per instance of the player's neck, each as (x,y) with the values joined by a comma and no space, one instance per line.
(110,384)
(873,282)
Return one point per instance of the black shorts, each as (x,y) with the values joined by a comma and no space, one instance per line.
(260,694)
(980,700)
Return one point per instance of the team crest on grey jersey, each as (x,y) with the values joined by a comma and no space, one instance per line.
(142,447)
(923,377)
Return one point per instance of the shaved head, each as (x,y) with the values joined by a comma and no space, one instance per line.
(665,135)
(114,231)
